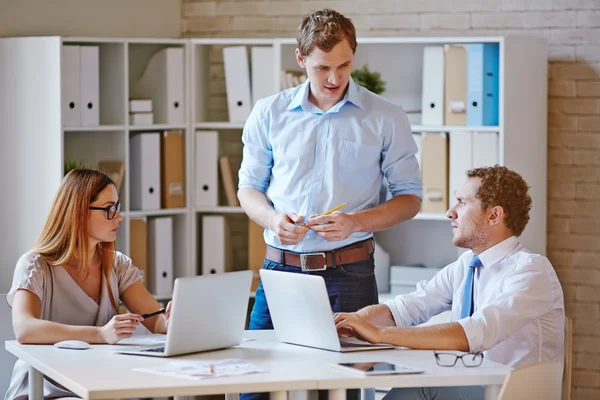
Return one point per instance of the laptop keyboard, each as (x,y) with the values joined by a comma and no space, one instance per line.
(350,344)
(155,350)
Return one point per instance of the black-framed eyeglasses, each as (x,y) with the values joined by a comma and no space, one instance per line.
(111,211)
(450,359)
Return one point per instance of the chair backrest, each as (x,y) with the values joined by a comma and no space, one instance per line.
(7,360)
(534,382)
(568,367)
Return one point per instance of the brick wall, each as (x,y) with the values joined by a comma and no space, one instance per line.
(572,28)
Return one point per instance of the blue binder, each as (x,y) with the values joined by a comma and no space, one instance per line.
(483,65)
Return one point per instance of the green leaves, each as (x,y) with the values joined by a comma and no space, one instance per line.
(368,79)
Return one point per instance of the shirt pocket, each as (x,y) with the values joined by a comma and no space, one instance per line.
(358,164)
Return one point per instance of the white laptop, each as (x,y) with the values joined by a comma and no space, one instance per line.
(301,312)
(208,313)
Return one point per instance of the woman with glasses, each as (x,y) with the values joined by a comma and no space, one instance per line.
(70,284)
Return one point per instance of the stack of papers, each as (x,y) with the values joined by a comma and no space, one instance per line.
(204,369)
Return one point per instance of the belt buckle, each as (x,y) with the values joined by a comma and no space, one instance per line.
(303,261)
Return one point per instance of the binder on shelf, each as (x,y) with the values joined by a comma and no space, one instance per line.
(435,172)
(461,160)
(172,170)
(89,85)
(145,179)
(114,169)
(71,94)
(263,73)
(217,256)
(207,153)
(140,105)
(470,150)
(163,82)
(483,67)
(138,246)
(432,100)
(237,82)
(455,85)
(160,255)
(228,179)
(256,250)
(141,118)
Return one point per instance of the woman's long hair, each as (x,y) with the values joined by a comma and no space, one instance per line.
(65,236)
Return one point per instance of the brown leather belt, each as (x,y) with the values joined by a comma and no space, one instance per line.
(319,261)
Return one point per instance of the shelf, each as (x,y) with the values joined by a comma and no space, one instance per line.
(99,128)
(453,128)
(154,213)
(220,125)
(219,210)
(155,127)
(431,217)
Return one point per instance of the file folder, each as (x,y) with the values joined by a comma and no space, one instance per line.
(207,154)
(455,85)
(483,67)
(264,83)
(485,149)
(461,160)
(256,250)
(71,95)
(89,85)
(145,171)
(237,83)
(172,170)
(138,246)
(163,82)
(432,101)
(216,245)
(160,255)
(435,172)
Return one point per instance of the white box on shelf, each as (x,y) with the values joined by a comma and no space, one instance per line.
(140,105)
(141,118)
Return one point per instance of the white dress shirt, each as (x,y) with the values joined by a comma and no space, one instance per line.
(518,316)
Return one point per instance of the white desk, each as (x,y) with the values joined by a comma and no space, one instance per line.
(99,373)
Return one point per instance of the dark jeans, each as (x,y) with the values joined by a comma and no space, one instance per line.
(350,288)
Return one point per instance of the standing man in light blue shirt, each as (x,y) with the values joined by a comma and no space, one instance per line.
(311,148)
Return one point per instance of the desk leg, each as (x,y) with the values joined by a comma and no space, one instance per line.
(36,384)
(337,394)
(232,396)
(492,392)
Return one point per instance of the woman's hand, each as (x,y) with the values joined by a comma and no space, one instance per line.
(120,327)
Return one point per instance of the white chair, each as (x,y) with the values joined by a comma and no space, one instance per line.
(568,367)
(534,382)
(7,360)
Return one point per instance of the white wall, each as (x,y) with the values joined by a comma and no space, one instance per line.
(134,18)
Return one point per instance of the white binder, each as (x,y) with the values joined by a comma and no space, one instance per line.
(216,245)
(432,100)
(145,171)
(163,82)
(485,149)
(160,255)
(461,150)
(89,85)
(71,104)
(470,150)
(264,83)
(207,162)
(237,82)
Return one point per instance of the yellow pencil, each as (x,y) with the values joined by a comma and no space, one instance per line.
(334,209)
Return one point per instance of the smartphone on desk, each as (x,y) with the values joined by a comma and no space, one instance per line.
(376,368)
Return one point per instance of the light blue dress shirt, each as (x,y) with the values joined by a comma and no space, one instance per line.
(308,161)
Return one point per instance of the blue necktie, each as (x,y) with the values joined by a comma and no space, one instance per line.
(467,303)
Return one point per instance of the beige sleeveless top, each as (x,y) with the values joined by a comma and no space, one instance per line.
(63,301)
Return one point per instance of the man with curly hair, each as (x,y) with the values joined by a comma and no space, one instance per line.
(506,301)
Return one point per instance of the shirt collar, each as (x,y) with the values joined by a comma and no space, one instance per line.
(300,98)
(499,251)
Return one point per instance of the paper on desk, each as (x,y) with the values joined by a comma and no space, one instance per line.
(201,369)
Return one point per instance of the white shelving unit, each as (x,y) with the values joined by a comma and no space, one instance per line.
(34,144)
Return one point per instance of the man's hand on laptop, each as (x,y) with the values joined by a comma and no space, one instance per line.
(357,326)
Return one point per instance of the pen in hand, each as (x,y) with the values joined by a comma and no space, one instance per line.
(152,314)
(330,211)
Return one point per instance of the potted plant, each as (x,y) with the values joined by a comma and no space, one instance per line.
(368,79)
